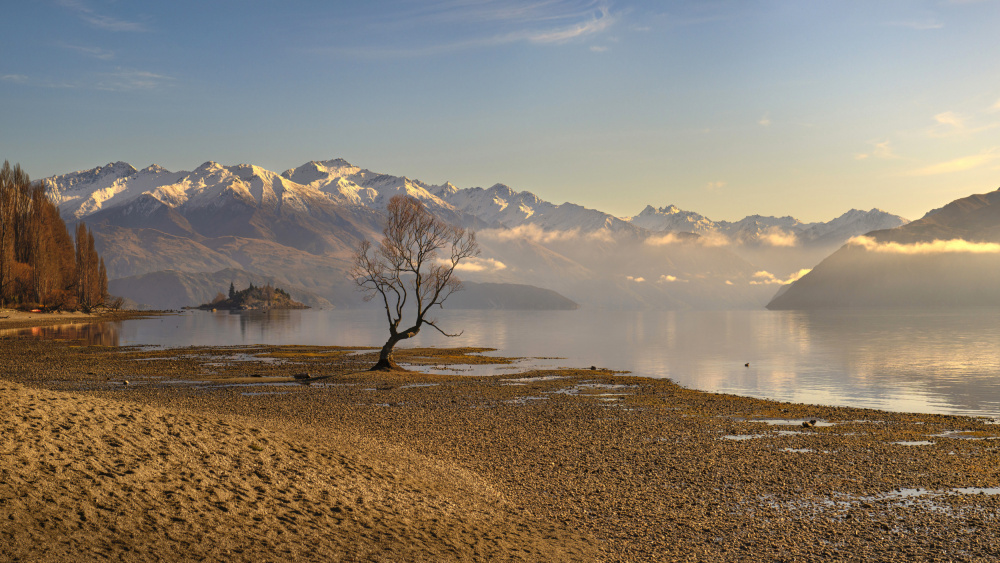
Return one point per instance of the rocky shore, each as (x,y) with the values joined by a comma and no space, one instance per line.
(296,454)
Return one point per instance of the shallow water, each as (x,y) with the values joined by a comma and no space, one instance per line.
(917,361)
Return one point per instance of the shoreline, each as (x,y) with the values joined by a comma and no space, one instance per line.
(14,319)
(577,465)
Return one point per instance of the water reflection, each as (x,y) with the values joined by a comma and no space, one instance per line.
(97,334)
(932,361)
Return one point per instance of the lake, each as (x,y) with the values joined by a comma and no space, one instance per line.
(915,361)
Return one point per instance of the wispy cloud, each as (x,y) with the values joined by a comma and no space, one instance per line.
(95,52)
(918,25)
(765,120)
(130,79)
(536,234)
(959,164)
(120,80)
(950,118)
(712,186)
(599,48)
(476,265)
(663,240)
(597,23)
(712,240)
(775,236)
(764,277)
(456,25)
(950,123)
(881,150)
(953,246)
(101,21)
(639,279)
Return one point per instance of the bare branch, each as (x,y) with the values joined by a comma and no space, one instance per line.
(436,327)
(405,263)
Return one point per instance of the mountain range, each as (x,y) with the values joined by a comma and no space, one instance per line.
(950,257)
(175,233)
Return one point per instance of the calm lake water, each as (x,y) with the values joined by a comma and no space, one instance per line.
(926,361)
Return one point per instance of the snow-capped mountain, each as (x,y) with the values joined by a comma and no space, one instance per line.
(301,226)
(351,185)
(337,182)
(80,194)
(501,206)
(773,231)
(948,259)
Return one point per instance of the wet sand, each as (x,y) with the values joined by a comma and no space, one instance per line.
(223,455)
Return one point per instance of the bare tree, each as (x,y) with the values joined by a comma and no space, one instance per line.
(405,266)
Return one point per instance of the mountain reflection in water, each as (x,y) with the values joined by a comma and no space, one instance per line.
(940,361)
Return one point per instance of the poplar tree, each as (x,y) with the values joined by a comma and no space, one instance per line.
(39,263)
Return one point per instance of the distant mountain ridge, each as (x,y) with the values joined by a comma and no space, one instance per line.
(300,227)
(948,258)
(776,231)
(80,194)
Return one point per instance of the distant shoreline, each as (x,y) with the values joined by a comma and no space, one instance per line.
(15,318)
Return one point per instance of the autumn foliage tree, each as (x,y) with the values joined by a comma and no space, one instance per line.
(39,265)
(405,267)
(92,277)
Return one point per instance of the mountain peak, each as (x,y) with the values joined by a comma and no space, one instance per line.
(208,165)
(335,163)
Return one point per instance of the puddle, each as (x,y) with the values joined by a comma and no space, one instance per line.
(790,421)
(482,370)
(963,435)
(221,360)
(585,387)
(414,385)
(913,443)
(978,490)
(740,437)
(526,380)
(839,504)
(798,450)
(261,384)
(259,393)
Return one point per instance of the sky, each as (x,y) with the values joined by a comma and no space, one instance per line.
(728,108)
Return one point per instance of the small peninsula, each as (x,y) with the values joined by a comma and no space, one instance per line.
(253,298)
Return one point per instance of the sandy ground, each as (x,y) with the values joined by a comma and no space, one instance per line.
(223,455)
(85,478)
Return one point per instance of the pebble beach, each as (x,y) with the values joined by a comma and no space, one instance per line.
(294,453)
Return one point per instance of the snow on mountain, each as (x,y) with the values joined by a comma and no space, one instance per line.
(765,230)
(672,218)
(302,225)
(352,185)
(87,190)
(854,222)
(80,194)
(212,186)
(501,206)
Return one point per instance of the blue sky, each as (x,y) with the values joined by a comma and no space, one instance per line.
(727,108)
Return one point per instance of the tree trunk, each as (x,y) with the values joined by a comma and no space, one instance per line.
(385,360)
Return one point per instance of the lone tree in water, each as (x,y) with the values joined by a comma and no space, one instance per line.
(405,266)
